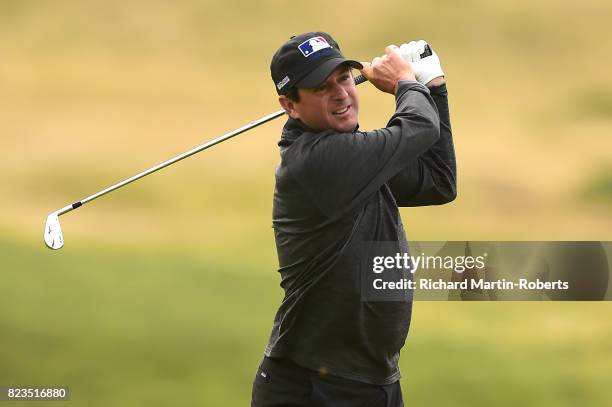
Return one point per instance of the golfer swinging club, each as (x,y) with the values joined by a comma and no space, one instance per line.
(337,187)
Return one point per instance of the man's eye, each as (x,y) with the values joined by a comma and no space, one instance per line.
(345,77)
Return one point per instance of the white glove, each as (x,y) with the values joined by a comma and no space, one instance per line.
(425,69)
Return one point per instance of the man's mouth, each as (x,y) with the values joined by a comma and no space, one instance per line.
(341,111)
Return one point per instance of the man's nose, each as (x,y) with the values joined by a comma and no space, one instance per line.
(339,92)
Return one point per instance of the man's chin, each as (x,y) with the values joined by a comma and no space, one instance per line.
(347,127)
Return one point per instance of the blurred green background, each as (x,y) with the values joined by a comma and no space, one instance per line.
(165,291)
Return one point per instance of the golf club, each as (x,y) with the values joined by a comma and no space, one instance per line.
(53,231)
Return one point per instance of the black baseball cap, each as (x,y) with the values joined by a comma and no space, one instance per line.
(306,60)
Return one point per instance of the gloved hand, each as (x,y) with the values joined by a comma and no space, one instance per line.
(425,69)
(386,71)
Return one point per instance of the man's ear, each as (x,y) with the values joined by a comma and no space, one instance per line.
(289,106)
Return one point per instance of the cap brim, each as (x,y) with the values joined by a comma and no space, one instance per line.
(319,75)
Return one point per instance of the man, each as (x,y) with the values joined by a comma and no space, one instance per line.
(338,188)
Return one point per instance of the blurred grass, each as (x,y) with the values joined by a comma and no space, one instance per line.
(169,287)
(127,326)
(594,102)
(132,327)
(599,187)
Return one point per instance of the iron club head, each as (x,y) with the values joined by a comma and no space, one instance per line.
(53,232)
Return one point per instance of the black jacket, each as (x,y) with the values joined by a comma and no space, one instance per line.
(335,192)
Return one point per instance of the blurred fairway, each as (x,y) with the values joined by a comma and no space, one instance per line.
(170,327)
(165,291)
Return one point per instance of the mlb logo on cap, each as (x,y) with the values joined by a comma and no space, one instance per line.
(312,45)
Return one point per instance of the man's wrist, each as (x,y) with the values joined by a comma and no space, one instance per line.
(410,84)
(436,82)
(403,78)
(407,77)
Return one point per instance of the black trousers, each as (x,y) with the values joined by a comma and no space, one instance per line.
(281,383)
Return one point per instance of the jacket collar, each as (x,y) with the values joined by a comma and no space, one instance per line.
(294,128)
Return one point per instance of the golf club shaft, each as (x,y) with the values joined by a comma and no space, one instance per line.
(171,161)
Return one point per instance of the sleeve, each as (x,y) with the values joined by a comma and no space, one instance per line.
(340,170)
(431,179)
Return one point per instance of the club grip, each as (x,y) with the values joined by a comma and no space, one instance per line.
(359,79)
(426,52)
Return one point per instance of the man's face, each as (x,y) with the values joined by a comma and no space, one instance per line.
(333,105)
